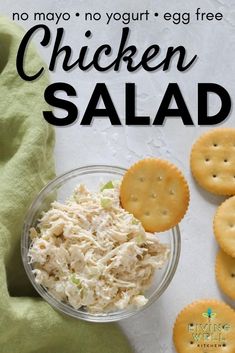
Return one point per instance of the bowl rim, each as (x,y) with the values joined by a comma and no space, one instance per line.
(64,308)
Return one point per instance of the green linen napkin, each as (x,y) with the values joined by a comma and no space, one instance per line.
(27,323)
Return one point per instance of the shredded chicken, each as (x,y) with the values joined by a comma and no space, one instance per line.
(91,253)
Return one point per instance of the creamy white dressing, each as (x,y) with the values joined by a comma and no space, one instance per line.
(89,252)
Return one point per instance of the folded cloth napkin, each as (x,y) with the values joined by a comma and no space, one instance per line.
(27,323)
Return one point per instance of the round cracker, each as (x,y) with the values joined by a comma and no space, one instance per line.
(213,161)
(224,226)
(225,273)
(205,326)
(156,193)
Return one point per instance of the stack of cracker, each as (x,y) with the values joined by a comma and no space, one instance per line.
(213,166)
(209,325)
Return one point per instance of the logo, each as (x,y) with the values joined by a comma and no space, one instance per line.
(208,334)
(209,314)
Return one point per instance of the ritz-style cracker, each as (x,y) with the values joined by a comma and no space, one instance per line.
(205,326)
(213,161)
(225,273)
(224,226)
(156,193)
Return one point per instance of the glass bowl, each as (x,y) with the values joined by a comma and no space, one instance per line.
(60,189)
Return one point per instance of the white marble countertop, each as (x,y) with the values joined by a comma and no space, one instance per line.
(214,43)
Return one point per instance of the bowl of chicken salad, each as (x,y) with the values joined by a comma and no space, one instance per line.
(87,256)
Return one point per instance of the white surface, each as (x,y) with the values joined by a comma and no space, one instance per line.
(151,331)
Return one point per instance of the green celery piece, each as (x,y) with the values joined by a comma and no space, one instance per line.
(140,239)
(76,281)
(135,221)
(106,203)
(108,185)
